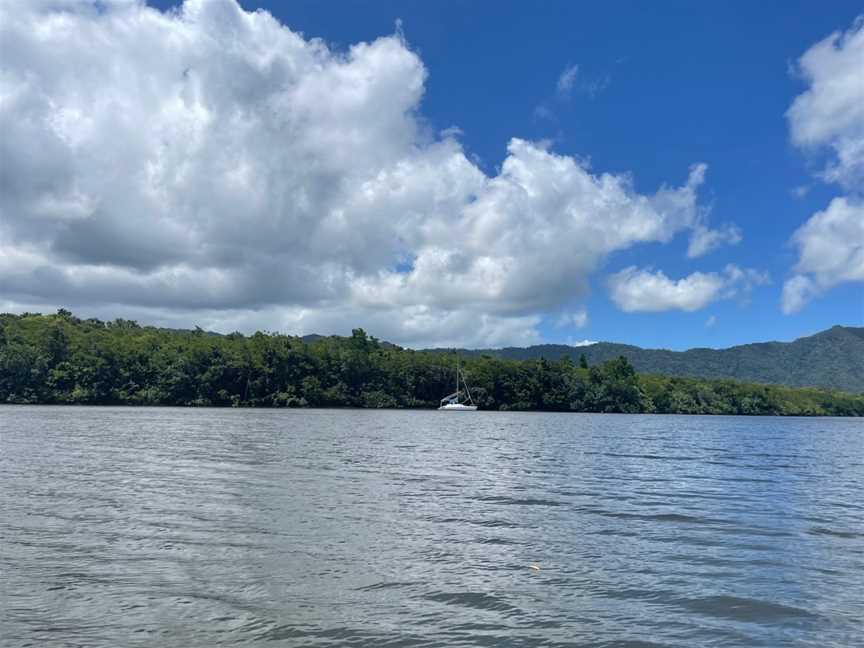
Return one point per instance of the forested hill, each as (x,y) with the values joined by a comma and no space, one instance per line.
(832,359)
(63,359)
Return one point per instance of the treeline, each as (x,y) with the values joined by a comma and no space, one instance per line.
(60,358)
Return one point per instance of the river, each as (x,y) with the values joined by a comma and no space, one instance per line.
(208,527)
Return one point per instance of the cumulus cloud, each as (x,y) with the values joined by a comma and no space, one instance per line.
(209,165)
(797,291)
(576,319)
(831,251)
(704,239)
(830,115)
(644,290)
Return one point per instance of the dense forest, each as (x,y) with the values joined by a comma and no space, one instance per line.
(833,359)
(63,359)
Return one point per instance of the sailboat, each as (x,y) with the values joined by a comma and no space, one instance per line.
(453,403)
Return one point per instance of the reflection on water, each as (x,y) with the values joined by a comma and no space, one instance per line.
(170,527)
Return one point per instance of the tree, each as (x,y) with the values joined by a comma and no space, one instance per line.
(62,359)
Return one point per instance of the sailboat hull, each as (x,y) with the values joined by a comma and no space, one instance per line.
(451,403)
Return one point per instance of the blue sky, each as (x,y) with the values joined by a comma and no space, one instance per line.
(638,90)
(684,82)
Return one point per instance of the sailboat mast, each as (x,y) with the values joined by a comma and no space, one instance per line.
(457,375)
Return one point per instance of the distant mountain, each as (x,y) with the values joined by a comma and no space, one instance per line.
(833,359)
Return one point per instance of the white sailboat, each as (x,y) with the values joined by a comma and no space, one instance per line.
(453,402)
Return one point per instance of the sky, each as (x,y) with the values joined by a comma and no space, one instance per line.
(479,174)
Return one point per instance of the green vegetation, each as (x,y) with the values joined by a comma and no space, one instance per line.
(62,359)
(833,359)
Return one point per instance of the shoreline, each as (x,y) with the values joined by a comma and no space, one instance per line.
(416,409)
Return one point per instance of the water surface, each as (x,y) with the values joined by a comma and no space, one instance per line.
(199,528)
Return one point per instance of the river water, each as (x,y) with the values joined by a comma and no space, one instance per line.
(206,527)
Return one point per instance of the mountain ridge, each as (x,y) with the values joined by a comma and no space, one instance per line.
(832,359)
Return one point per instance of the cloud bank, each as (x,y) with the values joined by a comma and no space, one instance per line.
(208,165)
(829,116)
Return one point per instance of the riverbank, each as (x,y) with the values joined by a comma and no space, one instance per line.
(61,359)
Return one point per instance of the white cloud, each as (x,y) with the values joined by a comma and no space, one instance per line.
(641,290)
(223,170)
(635,290)
(704,239)
(831,251)
(579,343)
(567,84)
(577,319)
(711,321)
(830,113)
(797,291)
(566,80)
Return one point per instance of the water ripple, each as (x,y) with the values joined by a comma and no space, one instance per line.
(200,528)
